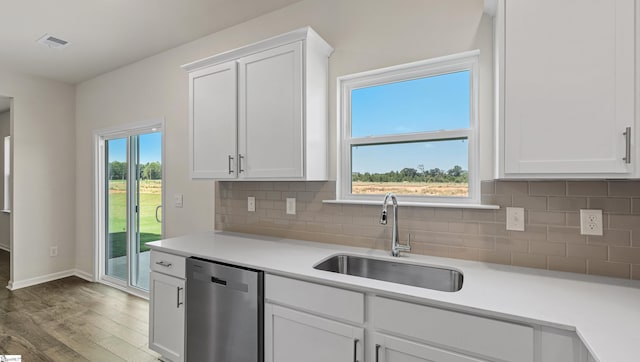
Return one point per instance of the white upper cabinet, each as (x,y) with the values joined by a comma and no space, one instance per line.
(260,112)
(566,89)
(213,107)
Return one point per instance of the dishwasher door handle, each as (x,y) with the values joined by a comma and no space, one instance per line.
(218,281)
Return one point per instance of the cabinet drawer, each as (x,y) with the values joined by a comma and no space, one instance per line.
(168,263)
(320,299)
(478,335)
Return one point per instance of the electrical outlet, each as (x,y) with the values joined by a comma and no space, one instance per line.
(53,251)
(291,205)
(251,204)
(515,218)
(591,222)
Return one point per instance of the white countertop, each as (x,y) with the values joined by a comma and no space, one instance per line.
(604,312)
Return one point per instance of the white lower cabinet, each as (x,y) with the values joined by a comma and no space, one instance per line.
(166,307)
(393,349)
(294,336)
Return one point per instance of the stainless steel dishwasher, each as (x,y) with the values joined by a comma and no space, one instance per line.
(225,312)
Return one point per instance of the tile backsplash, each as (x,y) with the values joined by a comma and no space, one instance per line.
(551,239)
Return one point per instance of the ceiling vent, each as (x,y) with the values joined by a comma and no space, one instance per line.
(53,42)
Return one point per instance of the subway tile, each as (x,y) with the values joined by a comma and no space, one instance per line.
(463,253)
(478,215)
(610,204)
(418,213)
(573,265)
(566,234)
(530,202)
(479,242)
(566,203)
(301,196)
(624,254)
(500,200)
(446,239)
(495,256)
(528,260)
(635,271)
(635,206)
(448,214)
(573,218)
(624,188)
(627,222)
(547,248)
(592,252)
(487,187)
(511,244)
(531,232)
(546,217)
(609,269)
(587,188)
(430,249)
(547,188)
(274,195)
(463,227)
(297,186)
(611,237)
(511,187)
(492,229)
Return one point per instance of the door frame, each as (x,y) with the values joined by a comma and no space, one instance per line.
(99,201)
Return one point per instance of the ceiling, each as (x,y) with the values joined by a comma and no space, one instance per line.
(108,34)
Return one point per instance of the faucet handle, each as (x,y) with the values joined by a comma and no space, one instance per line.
(407,246)
(383,217)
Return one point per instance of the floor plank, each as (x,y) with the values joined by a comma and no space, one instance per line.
(72,320)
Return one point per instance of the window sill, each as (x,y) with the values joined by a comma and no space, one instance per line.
(416,204)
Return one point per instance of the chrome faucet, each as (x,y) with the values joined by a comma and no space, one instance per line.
(396,248)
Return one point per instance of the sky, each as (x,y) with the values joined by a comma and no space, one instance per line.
(150,148)
(420,105)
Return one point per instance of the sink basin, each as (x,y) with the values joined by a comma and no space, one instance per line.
(422,276)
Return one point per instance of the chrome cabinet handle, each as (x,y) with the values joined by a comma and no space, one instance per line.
(355,350)
(627,138)
(230,160)
(163,263)
(240,158)
(178,295)
(378,353)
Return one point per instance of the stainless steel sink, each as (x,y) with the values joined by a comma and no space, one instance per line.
(422,276)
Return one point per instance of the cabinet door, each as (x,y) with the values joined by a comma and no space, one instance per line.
(292,336)
(166,316)
(391,349)
(569,86)
(213,122)
(270,120)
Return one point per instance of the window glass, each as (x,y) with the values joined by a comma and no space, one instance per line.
(428,168)
(419,105)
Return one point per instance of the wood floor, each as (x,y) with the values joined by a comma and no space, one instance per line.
(72,320)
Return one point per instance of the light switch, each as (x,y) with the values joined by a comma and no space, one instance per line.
(251,204)
(515,218)
(291,205)
(177,200)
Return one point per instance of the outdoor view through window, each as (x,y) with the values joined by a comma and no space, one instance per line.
(399,141)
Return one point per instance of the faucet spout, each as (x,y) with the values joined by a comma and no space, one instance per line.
(395,245)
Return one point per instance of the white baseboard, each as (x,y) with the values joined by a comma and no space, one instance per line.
(84,275)
(13,285)
(49,277)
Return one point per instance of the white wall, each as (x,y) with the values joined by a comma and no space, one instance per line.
(5,124)
(366,34)
(43,174)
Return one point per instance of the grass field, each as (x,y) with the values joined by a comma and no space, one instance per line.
(411,188)
(150,229)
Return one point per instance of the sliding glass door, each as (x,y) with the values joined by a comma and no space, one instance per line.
(132,205)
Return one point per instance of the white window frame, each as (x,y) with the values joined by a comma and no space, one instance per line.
(467,61)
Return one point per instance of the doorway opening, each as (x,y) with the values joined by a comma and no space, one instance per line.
(130,196)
